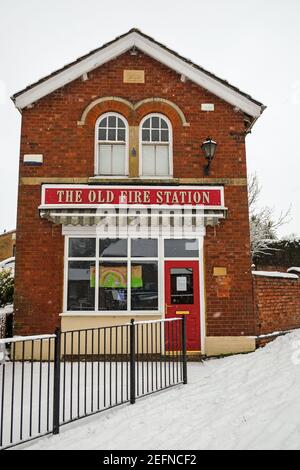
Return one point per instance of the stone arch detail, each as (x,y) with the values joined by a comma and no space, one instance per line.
(132,106)
(167,102)
(99,101)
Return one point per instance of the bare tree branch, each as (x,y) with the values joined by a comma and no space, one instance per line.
(264,224)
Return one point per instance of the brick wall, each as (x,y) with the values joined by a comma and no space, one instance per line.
(277,303)
(39,268)
(50,127)
(7,243)
(229,298)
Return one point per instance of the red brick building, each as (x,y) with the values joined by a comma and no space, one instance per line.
(111,147)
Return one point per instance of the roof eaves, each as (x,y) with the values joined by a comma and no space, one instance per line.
(198,67)
(67,66)
(149,38)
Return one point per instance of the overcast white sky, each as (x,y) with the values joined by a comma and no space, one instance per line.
(253,44)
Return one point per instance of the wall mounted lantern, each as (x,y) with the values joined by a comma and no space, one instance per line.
(209,148)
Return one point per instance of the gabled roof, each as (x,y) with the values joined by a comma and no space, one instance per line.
(154,49)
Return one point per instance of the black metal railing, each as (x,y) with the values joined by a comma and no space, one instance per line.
(50,380)
(26,388)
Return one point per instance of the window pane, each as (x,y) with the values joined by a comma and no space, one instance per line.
(112,121)
(121,135)
(164,136)
(144,285)
(155,123)
(163,124)
(181,248)
(118,160)
(82,247)
(155,136)
(148,160)
(81,285)
(103,122)
(102,134)
(182,289)
(111,134)
(105,159)
(146,135)
(114,248)
(113,285)
(146,124)
(162,160)
(121,123)
(146,248)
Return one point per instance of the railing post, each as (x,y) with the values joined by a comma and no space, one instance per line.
(183,342)
(132,362)
(56,381)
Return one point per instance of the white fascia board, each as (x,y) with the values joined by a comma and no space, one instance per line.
(153,50)
(197,76)
(74,72)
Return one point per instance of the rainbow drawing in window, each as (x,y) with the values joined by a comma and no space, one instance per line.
(115,277)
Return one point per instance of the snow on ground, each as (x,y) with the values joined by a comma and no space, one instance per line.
(242,402)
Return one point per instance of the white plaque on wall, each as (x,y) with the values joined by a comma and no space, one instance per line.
(207,107)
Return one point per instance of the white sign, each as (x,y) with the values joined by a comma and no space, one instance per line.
(207,107)
(36,159)
(181,284)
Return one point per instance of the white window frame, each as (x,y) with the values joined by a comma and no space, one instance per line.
(128,259)
(97,173)
(90,232)
(170,144)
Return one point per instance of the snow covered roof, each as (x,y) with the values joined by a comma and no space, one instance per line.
(8,232)
(294,270)
(275,274)
(156,50)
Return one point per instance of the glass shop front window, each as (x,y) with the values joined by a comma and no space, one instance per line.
(80,285)
(112,285)
(112,275)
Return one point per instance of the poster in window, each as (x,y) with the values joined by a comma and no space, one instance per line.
(113,277)
(181,284)
(92,277)
(136,277)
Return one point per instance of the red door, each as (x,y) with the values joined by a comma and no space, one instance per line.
(182,298)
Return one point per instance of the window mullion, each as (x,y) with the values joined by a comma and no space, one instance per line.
(66,274)
(97,276)
(128,274)
(111,158)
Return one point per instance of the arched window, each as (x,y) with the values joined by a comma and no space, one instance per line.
(111,145)
(156,146)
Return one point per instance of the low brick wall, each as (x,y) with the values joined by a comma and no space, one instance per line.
(277,302)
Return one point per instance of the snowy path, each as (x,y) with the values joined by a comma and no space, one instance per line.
(241,402)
